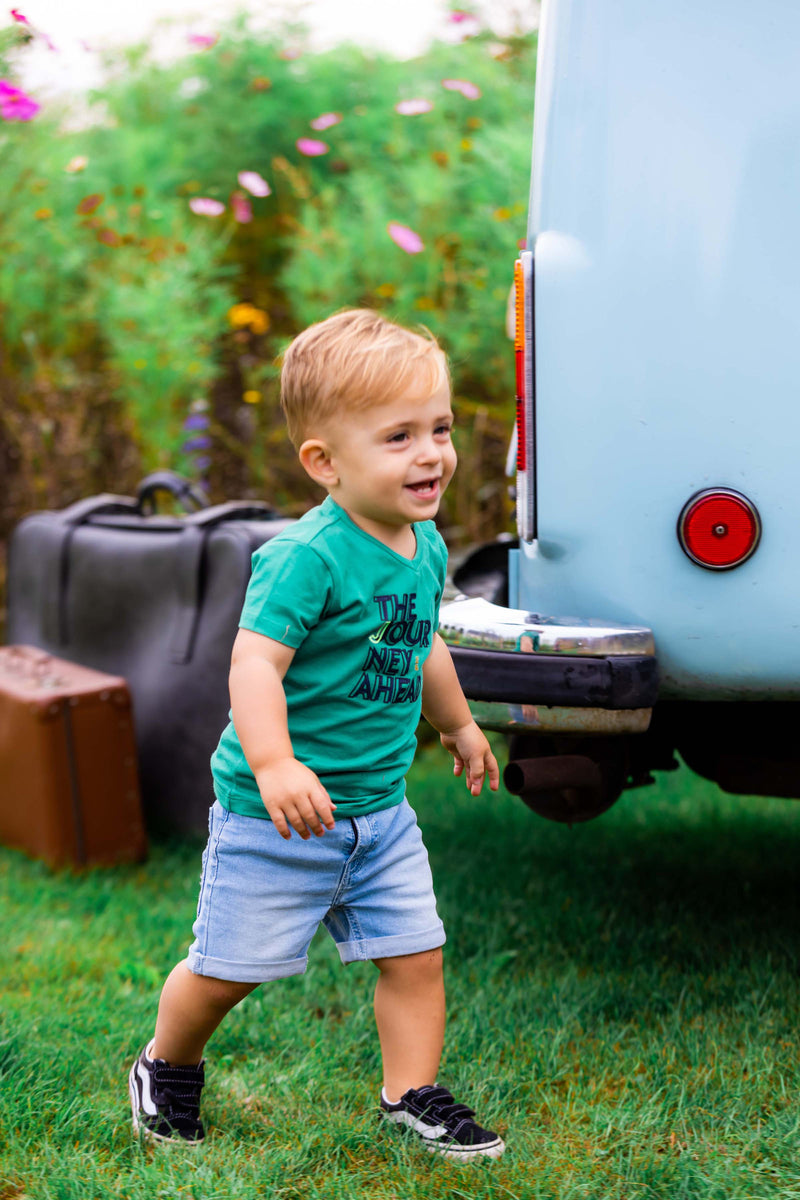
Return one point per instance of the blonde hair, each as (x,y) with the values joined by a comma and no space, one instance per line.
(351,361)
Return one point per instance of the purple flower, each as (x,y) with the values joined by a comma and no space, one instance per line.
(15,105)
(196,420)
(202,463)
(197,443)
(405,238)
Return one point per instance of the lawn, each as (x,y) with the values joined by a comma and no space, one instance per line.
(623,1002)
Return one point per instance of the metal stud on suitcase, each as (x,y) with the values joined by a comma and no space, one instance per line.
(111,583)
(69,788)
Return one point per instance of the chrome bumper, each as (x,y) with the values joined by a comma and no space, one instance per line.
(526,673)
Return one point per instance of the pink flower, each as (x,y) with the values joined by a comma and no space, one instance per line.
(468,20)
(326,120)
(412,108)
(203,41)
(15,105)
(311,148)
(242,208)
(252,182)
(405,238)
(18,16)
(470,90)
(206,207)
(463,24)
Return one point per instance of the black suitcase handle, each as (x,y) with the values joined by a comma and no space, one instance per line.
(105,505)
(82,512)
(231,510)
(177,485)
(194,527)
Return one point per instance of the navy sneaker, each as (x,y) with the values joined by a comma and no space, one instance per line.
(165,1100)
(443,1126)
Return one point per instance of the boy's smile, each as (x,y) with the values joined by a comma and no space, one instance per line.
(389,465)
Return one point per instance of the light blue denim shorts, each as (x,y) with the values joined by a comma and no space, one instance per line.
(262,898)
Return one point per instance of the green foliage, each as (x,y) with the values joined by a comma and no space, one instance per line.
(97,277)
(112,287)
(457,175)
(622,1007)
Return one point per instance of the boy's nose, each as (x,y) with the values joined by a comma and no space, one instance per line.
(429,451)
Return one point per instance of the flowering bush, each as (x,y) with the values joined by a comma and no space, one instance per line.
(172,245)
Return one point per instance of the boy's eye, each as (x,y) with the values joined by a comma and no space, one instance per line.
(397,437)
(443,430)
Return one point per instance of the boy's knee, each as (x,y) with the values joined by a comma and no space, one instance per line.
(223,993)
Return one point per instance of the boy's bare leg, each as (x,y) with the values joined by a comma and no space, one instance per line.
(410,1015)
(190,1009)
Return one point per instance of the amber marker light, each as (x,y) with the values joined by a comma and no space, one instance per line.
(519,358)
(719,528)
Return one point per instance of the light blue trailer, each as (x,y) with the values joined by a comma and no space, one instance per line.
(659,411)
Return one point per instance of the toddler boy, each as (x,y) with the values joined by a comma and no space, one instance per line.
(336,655)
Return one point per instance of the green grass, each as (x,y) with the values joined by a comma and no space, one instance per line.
(623,1007)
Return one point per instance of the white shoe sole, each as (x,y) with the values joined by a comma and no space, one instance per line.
(450,1150)
(465,1154)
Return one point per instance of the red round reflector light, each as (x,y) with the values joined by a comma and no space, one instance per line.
(719,528)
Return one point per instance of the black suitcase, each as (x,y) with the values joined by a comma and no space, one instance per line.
(113,585)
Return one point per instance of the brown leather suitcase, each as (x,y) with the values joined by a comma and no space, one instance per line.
(69,788)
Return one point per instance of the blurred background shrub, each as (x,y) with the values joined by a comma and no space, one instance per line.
(161,243)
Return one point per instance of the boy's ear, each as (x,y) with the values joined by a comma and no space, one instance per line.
(315,457)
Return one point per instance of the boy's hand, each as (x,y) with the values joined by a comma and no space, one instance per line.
(472,752)
(293,795)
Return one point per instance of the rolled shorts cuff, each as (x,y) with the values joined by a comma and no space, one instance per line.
(242,972)
(361,949)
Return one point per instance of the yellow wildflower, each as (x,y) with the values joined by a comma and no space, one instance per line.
(243,316)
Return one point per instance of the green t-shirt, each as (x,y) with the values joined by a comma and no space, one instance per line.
(361,619)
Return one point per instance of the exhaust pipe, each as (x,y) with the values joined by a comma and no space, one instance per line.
(526,776)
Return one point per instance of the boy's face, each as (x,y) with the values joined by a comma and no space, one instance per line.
(390,465)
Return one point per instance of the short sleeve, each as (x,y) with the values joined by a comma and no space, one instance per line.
(289,590)
(438,560)
(443,563)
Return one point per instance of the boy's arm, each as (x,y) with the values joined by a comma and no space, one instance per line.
(291,792)
(445,707)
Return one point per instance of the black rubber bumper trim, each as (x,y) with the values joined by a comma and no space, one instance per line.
(624,681)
